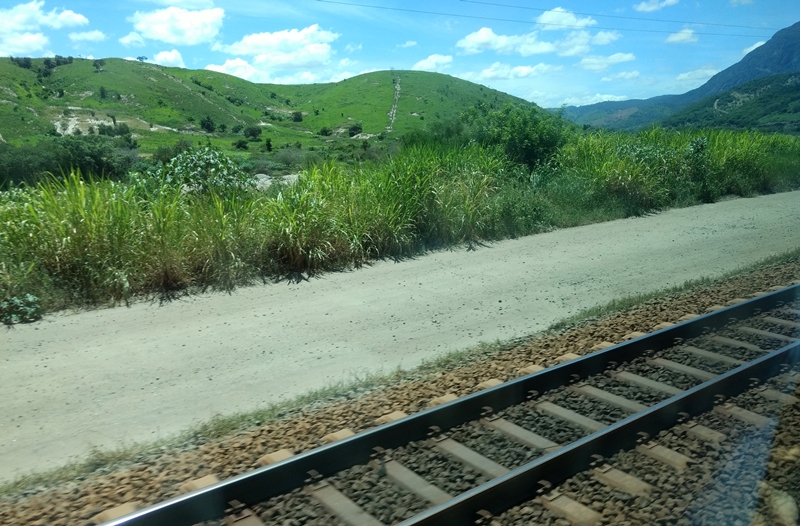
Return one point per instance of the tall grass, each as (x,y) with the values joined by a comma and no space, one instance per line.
(79,241)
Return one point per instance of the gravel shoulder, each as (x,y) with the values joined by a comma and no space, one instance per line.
(109,377)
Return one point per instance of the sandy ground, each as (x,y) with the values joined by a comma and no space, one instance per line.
(108,377)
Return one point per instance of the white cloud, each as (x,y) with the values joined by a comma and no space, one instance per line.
(560,18)
(88,36)
(654,5)
(599,63)
(622,75)
(19,31)
(30,17)
(486,40)
(409,43)
(684,36)
(605,37)
(176,25)
(132,39)
(741,2)
(498,71)
(241,68)
(188,4)
(169,58)
(591,99)
(345,62)
(747,50)
(292,48)
(22,43)
(698,74)
(434,62)
(352,48)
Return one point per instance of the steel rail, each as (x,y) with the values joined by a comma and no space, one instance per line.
(261,484)
(522,484)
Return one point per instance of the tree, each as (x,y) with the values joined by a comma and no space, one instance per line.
(253,133)
(355,129)
(207,123)
(240,144)
(325,131)
(222,127)
(103,92)
(268,144)
(297,116)
(98,65)
(141,59)
(237,128)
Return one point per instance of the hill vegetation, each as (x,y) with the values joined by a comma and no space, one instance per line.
(781,54)
(767,104)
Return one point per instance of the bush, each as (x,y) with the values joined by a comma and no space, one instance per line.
(207,123)
(202,170)
(253,133)
(20,309)
(297,116)
(325,131)
(355,129)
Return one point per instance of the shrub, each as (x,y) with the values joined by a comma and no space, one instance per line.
(297,116)
(20,309)
(325,131)
(207,123)
(201,170)
(252,132)
(355,129)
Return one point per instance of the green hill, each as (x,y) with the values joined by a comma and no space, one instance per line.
(161,104)
(779,55)
(768,104)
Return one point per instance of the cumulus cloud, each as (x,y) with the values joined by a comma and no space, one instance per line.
(241,68)
(409,43)
(132,39)
(345,62)
(352,48)
(560,18)
(747,50)
(88,36)
(684,36)
(698,74)
(19,32)
(606,37)
(169,58)
(434,62)
(498,71)
(591,99)
(654,5)
(622,75)
(600,63)
(486,40)
(176,25)
(292,48)
(188,4)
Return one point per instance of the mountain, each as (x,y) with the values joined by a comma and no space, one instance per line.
(768,104)
(780,54)
(161,104)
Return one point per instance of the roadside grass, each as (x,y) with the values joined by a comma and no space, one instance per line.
(76,241)
(218,427)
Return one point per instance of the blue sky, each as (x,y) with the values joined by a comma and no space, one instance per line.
(550,52)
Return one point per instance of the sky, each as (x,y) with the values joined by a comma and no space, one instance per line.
(551,52)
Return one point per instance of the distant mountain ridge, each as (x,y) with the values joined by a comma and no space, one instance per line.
(766,104)
(780,54)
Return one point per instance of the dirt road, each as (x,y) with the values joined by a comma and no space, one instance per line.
(107,377)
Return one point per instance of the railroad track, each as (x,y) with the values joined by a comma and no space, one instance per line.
(499,455)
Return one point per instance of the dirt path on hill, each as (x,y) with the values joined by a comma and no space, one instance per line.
(107,377)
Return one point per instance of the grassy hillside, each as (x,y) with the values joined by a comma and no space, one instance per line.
(768,104)
(780,55)
(162,104)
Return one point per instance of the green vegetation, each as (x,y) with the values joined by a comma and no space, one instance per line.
(767,104)
(198,221)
